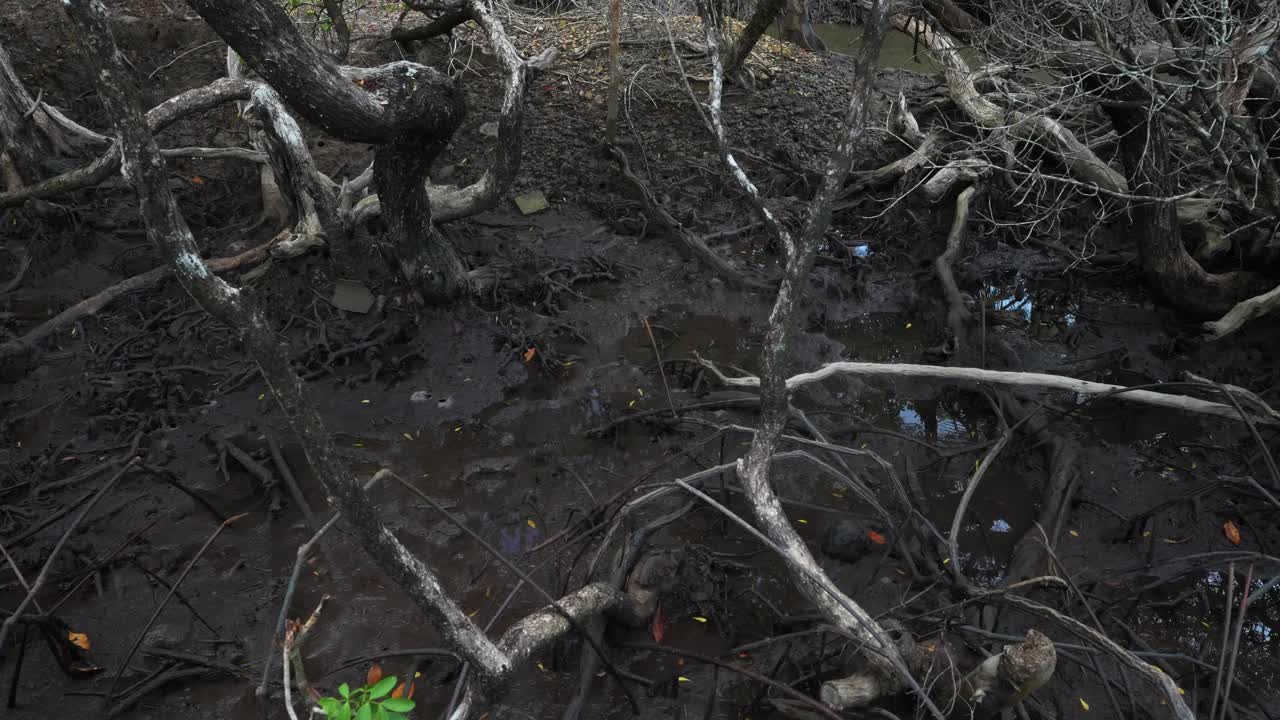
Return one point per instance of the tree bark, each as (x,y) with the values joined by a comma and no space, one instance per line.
(426,259)
(1172,273)
(796,27)
(765,13)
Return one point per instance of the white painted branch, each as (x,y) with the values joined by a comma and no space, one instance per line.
(999,377)
(1244,311)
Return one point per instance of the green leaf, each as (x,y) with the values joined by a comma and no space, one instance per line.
(344,712)
(365,712)
(396,716)
(344,690)
(330,706)
(380,713)
(383,688)
(398,704)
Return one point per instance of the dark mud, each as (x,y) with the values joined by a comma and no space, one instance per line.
(522,444)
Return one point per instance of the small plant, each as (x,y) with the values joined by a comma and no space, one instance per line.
(371,702)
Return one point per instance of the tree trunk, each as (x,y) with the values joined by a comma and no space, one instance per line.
(1172,273)
(427,260)
(765,13)
(408,110)
(796,27)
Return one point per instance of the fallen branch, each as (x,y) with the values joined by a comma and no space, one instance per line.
(691,243)
(1244,311)
(19,351)
(999,377)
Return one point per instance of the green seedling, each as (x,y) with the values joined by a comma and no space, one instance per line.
(371,702)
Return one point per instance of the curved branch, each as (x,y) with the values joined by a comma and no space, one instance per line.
(158,118)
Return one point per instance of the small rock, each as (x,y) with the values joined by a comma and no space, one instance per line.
(421,396)
(846,539)
(489,129)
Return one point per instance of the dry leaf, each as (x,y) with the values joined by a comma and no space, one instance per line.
(876,537)
(400,691)
(1084,704)
(374,675)
(80,640)
(529,354)
(659,629)
(1232,532)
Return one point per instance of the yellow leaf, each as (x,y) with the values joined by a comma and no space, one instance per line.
(458,429)
(683,679)
(699,618)
(946,560)
(802,521)
(358,444)
(631,404)
(1084,704)
(1075,534)
(80,640)
(640,391)
(1181,691)
(407,436)
(540,667)
(261,395)
(364,402)
(532,524)
(908,326)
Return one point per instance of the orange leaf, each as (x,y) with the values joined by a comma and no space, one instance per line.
(876,537)
(658,630)
(80,640)
(375,674)
(197,180)
(528,354)
(1232,532)
(400,691)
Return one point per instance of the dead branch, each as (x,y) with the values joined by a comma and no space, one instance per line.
(1244,311)
(957,314)
(998,377)
(1035,129)
(158,118)
(20,351)
(690,243)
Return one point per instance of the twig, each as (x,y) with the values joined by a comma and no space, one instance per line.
(657,355)
(300,559)
(291,482)
(292,656)
(137,643)
(956,521)
(53,555)
(1235,642)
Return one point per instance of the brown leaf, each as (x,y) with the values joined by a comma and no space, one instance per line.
(375,674)
(529,354)
(1232,532)
(659,631)
(80,640)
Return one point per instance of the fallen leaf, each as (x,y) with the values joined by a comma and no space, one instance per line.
(407,436)
(802,521)
(908,326)
(401,692)
(1084,704)
(365,402)
(699,618)
(532,524)
(876,537)
(1074,533)
(540,667)
(197,180)
(1232,532)
(683,679)
(659,627)
(374,675)
(80,640)
(529,354)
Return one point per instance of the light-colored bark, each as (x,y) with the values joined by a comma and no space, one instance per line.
(973,376)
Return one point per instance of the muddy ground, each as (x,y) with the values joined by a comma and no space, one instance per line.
(455,400)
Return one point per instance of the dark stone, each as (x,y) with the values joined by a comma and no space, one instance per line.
(846,539)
